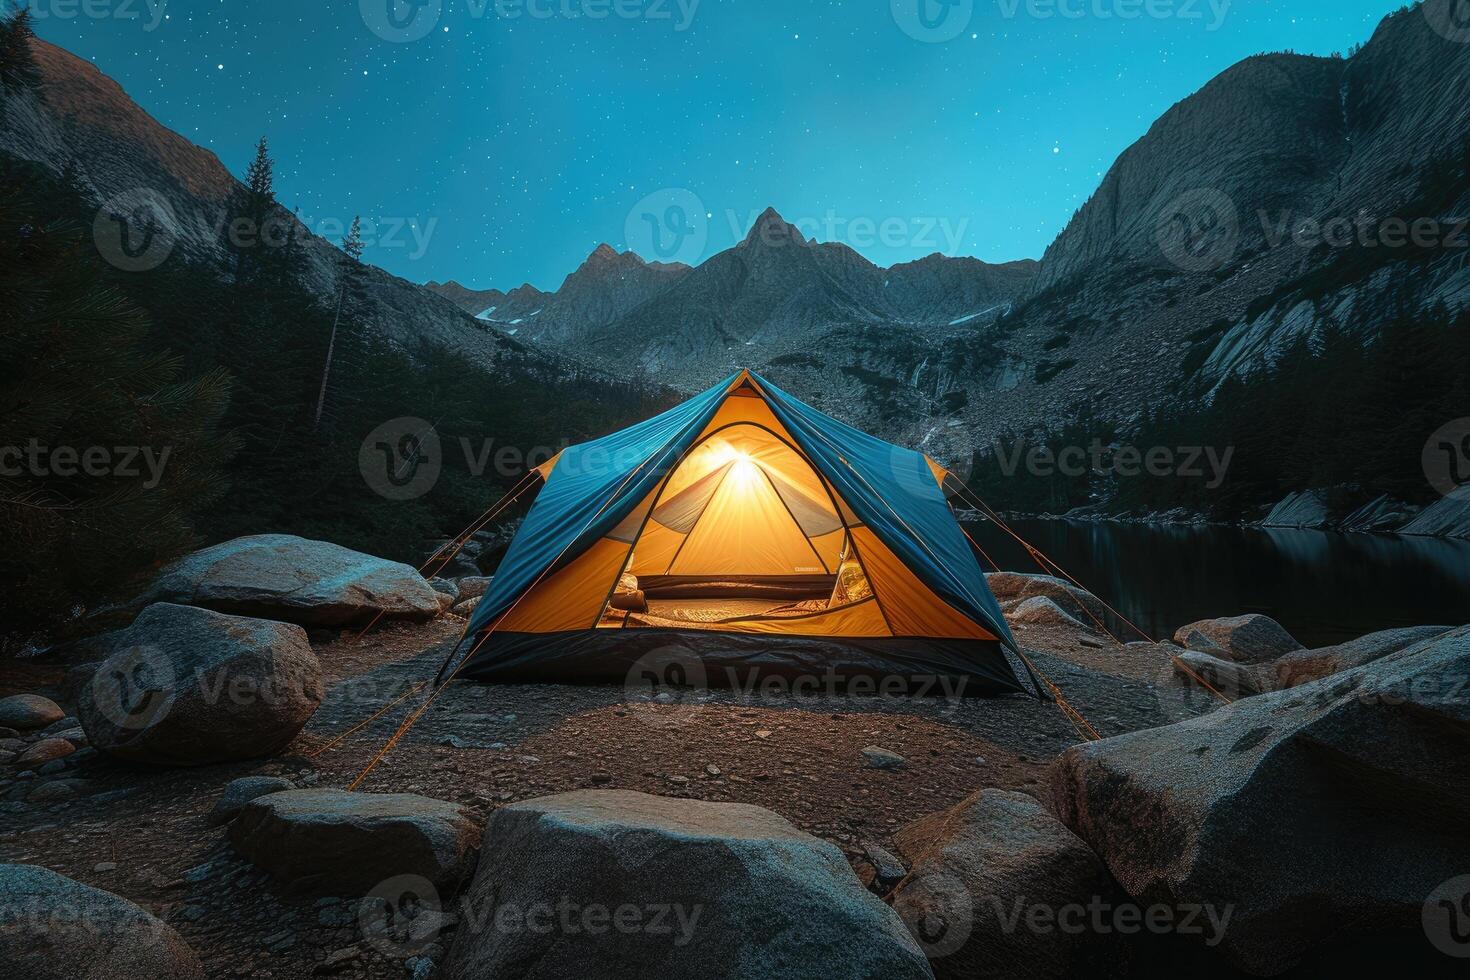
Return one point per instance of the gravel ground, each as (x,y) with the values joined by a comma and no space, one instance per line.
(144,835)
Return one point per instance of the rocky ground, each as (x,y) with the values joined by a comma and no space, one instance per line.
(936,804)
(145,834)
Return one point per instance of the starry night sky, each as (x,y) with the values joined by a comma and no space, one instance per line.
(518,144)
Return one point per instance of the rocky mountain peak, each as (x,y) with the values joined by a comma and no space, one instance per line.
(772,230)
(606,253)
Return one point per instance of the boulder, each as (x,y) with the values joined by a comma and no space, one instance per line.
(45,751)
(1249,639)
(1074,601)
(59,929)
(466,607)
(881,758)
(59,727)
(283,577)
(26,712)
(339,843)
(1447,517)
(887,869)
(1313,816)
(185,686)
(1041,611)
(978,864)
(1304,666)
(243,790)
(1231,679)
(1300,509)
(472,586)
(617,884)
(446,591)
(445,586)
(1383,513)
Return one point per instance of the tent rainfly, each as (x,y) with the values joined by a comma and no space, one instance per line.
(747,534)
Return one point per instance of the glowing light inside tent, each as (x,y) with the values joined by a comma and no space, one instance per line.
(744,474)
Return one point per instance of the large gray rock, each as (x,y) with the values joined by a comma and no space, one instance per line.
(1315,815)
(333,842)
(1231,679)
(241,791)
(472,586)
(1300,509)
(1040,611)
(25,712)
(44,751)
(54,928)
(1447,517)
(1078,603)
(1248,639)
(1304,666)
(283,577)
(671,888)
(979,863)
(183,686)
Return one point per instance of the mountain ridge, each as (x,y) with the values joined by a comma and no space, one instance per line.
(125,156)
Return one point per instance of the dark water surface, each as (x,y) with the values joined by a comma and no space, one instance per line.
(1322,586)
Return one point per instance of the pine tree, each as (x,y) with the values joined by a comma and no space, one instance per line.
(255,218)
(18,66)
(260,178)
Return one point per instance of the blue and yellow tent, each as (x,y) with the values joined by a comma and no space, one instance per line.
(754,532)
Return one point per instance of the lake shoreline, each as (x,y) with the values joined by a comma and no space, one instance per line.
(1324,586)
(1192,519)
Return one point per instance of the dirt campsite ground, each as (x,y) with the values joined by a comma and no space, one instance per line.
(145,834)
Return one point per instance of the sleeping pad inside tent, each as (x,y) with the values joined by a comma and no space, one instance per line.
(752,536)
